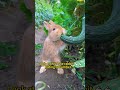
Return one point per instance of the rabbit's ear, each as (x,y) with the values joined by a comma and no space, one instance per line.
(51,22)
(46,25)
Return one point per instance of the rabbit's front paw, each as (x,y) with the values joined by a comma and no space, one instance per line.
(42,69)
(60,71)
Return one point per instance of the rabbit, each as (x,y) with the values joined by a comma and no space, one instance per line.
(53,45)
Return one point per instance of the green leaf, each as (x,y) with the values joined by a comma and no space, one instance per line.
(27,12)
(46,31)
(3,66)
(38,46)
(79,63)
(111,84)
(7,49)
(43,12)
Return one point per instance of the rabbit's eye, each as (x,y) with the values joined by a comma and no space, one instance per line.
(53,29)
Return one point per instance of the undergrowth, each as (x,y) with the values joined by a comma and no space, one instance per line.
(68,14)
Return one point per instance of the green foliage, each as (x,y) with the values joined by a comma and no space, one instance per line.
(64,16)
(43,12)
(3,66)
(27,12)
(110,71)
(111,84)
(38,47)
(79,63)
(46,31)
(7,49)
(77,55)
(80,76)
(102,9)
(63,12)
(4,3)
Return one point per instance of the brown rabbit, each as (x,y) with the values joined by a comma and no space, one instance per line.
(52,45)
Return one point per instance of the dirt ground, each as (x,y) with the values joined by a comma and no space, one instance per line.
(7,75)
(54,81)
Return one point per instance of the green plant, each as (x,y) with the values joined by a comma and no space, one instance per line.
(75,40)
(63,12)
(3,66)
(64,16)
(5,3)
(43,11)
(111,85)
(7,49)
(79,63)
(27,12)
(38,48)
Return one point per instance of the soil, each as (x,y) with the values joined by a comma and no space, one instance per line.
(7,75)
(54,81)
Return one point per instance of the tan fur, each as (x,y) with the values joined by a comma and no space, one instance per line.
(53,45)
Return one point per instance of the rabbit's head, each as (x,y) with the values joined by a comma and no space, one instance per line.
(54,30)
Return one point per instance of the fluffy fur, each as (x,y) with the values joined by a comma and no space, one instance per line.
(53,45)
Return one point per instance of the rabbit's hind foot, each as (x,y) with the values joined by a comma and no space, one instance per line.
(60,71)
(42,69)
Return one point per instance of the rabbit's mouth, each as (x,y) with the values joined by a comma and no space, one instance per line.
(58,37)
(54,39)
